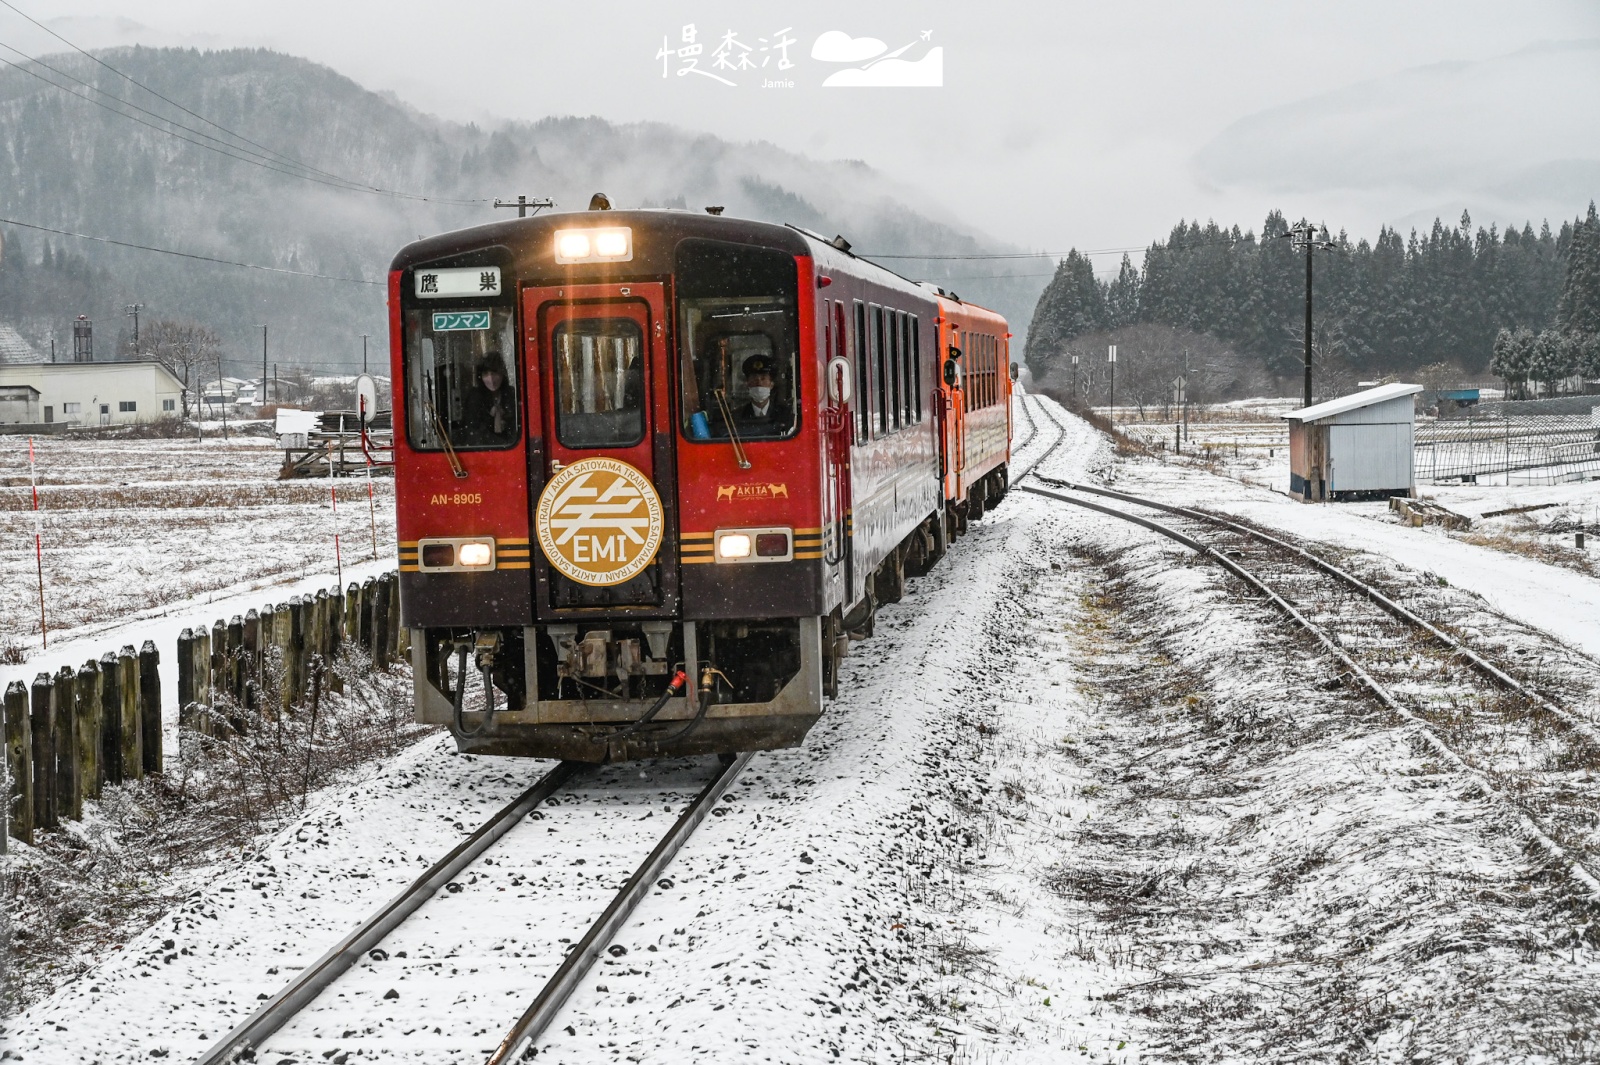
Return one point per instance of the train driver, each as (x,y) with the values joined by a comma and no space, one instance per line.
(491,405)
(763,414)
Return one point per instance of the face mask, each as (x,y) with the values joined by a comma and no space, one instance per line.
(759,394)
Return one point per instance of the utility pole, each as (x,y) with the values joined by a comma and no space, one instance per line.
(132,311)
(364,351)
(1304,236)
(222,397)
(1111,357)
(523,203)
(262,402)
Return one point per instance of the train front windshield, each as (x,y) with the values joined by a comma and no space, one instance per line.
(461,379)
(738,341)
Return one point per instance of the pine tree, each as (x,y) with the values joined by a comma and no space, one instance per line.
(1072,304)
(1122,298)
(1578,310)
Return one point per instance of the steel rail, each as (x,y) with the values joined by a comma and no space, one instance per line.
(1477,661)
(1530,826)
(548,1002)
(247,1037)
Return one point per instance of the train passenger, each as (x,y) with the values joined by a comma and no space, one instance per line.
(491,405)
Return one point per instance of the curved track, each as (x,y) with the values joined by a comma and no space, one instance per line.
(249,1037)
(1514,743)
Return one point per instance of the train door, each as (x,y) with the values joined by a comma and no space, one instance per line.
(601,425)
(838,427)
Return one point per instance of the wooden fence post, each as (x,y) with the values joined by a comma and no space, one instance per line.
(69,779)
(186,716)
(202,681)
(128,698)
(250,674)
(236,671)
(43,719)
(150,707)
(283,640)
(110,720)
(367,597)
(380,624)
(352,616)
(398,642)
(19,760)
(90,726)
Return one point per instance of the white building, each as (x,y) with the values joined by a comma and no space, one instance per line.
(98,393)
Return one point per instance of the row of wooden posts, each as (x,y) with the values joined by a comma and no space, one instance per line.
(73,733)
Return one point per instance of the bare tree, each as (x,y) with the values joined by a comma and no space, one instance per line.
(182,346)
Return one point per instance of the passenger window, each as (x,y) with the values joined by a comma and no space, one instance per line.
(880,420)
(863,377)
(916,367)
(895,389)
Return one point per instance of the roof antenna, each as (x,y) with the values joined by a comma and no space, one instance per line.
(713,210)
(599,202)
(840,243)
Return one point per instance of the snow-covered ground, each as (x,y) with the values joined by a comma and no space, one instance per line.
(1078,801)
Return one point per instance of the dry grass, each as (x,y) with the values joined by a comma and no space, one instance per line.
(1529,546)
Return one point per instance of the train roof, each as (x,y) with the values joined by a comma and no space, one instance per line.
(527,245)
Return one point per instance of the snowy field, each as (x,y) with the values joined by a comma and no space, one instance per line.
(1078,801)
(137,528)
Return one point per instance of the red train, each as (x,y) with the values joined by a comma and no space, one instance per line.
(655,469)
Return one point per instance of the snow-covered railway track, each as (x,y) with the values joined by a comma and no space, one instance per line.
(248,1039)
(1517,746)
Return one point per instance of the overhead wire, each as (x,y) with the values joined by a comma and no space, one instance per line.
(188,255)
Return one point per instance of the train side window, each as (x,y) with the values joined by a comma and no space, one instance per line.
(880,416)
(896,388)
(916,368)
(908,360)
(863,377)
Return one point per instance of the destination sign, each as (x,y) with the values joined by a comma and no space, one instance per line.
(470,281)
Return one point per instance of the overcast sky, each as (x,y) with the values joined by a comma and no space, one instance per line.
(1058,124)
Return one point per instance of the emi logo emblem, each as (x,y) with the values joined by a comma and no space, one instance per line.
(599,521)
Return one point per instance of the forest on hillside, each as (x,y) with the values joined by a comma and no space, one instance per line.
(298,169)
(1455,302)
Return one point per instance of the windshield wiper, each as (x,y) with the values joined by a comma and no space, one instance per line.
(449,449)
(733,434)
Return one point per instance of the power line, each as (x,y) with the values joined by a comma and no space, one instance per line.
(188,255)
(337,180)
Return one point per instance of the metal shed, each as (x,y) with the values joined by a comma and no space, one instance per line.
(1354,445)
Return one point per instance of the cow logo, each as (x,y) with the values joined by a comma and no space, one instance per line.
(741,492)
(599,521)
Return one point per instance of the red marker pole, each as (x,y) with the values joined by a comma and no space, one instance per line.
(372,506)
(38,544)
(333,494)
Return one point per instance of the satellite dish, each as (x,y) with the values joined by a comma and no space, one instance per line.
(367,397)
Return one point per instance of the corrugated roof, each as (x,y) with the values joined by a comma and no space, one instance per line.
(13,349)
(1354,401)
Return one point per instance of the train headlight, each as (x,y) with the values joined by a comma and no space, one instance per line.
(732,546)
(611,245)
(771,544)
(455,553)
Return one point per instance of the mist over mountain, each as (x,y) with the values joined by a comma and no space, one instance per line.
(76,160)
